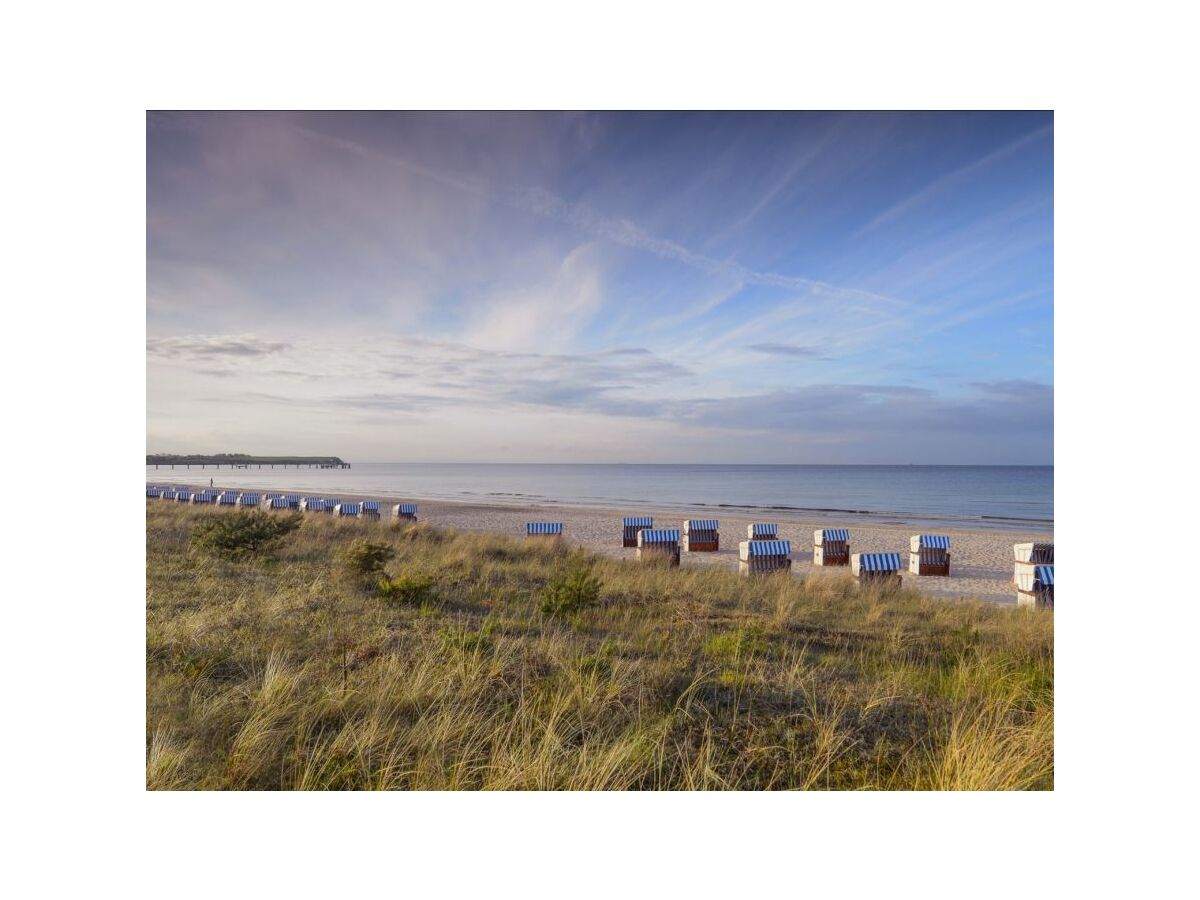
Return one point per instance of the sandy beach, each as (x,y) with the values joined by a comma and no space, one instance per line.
(981,559)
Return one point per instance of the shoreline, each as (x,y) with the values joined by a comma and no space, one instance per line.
(505,500)
(981,558)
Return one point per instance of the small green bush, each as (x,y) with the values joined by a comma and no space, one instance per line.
(243,533)
(570,590)
(365,559)
(407,590)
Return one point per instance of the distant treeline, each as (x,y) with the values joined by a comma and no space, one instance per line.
(227,459)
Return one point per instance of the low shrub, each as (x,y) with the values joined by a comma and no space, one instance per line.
(407,590)
(243,533)
(365,559)
(570,590)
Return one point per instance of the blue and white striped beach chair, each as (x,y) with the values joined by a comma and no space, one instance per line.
(550,532)
(764,557)
(831,547)
(1036,588)
(876,567)
(405,511)
(929,554)
(658,545)
(630,526)
(701,536)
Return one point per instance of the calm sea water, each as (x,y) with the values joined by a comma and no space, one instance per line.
(981,495)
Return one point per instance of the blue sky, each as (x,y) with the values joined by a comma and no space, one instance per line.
(774,287)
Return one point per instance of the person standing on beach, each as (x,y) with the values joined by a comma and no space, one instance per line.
(210,482)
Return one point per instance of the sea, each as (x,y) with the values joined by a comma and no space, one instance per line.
(1016,497)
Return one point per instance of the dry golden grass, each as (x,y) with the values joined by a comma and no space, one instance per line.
(285,673)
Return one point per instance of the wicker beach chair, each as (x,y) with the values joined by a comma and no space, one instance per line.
(831,547)
(658,545)
(764,557)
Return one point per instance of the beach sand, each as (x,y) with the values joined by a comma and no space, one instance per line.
(981,560)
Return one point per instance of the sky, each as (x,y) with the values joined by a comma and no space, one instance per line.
(602,287)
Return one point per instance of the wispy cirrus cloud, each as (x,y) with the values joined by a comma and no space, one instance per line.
(794,350)
(952,179)
(208,346)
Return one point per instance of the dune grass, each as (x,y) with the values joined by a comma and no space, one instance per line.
(290,671)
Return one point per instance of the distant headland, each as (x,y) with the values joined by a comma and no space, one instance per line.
(243,461)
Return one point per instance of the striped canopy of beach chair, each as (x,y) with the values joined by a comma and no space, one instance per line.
(658,536)
(700,525)
(272,496)
(405,509)
(183,496)
(347,509)
(293,500)
(227,498)
(278,503)
(153,491)
(168,494)
(1034,552)
(638,521)
(543,528)
(247,499)
(766,548)
(370,506)
(929,542)
(1044,575)
(766,530)
(879,562)
(831,535)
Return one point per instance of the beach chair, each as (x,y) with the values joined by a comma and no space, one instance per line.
(293,501)
(764,557)
(831,547)
(330,506)
(249,499)
(701,535)
(929,554)
(1028,556)
(370,509)
(658,545)
(876,568)
(227,498)
(1036,588)
(347,510)
(276,504)
(312,504)
(762,531)
(272,496)
(167,494)
(153,491)
(405,511)
(204,497)
(630,526)
(183,496)
(544,532)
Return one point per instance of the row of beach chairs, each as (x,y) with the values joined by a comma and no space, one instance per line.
(761,553)
(335,506)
